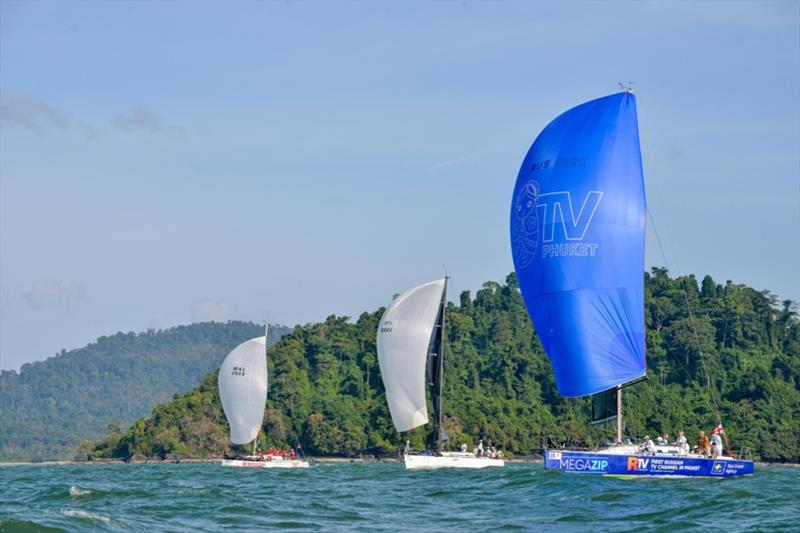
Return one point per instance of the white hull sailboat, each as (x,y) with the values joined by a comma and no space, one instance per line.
(243,392)
(272,462)
(449,460)
(411,357)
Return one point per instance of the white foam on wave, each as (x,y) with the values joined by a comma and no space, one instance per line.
(191,485)
(86,515)
(76,491)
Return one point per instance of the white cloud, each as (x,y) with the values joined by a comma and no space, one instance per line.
(211,312)
(160,321)
(454,162)
(54,294)
(37,115)
(7,301)
(140,119)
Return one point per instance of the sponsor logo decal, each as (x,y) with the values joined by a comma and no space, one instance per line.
(636,464)
(557,220)
(583,465)
(525,226)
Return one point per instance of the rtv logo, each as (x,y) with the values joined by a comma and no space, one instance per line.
(637,463)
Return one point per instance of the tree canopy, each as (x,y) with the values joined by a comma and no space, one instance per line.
(736,353)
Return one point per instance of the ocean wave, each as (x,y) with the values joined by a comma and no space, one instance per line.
(86,515)
(77,492)
(162,498)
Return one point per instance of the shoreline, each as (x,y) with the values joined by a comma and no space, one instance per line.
(328,460)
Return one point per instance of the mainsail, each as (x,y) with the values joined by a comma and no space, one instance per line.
(577,236)
(406,334)
(604,406)
(243,389)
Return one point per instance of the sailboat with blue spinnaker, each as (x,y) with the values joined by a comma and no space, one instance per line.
(577,235)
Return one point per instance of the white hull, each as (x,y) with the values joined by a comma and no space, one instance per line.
(449,460)
(278,463)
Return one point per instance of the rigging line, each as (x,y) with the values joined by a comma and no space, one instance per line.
(683,367)
(711,387)
(666,264)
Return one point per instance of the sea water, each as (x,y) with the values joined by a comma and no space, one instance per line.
(385,497)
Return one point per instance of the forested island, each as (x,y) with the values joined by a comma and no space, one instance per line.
(50,406)
(325,388)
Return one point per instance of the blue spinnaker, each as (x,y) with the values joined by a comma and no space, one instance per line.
(577,237)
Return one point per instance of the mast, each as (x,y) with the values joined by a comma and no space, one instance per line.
(266,348)
(619,415)
(440,375)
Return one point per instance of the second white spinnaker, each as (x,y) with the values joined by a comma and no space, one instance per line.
(411,357)
(404,335)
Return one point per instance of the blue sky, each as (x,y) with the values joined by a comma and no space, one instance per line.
(168,162)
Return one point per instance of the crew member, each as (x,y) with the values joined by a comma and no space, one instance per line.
(716,445)
(704,445)
(682,443)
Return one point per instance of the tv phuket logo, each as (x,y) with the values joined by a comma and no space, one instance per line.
(566,221)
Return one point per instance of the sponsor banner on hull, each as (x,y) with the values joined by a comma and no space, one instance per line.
(644,465)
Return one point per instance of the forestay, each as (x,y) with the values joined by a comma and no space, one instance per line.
(577,236)
(404,337)
(243,389)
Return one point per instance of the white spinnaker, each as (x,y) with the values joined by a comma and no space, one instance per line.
(243,389)
(404,336)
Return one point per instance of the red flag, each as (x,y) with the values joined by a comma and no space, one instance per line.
(719,430)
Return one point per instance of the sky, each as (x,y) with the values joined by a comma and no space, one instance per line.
(167,163)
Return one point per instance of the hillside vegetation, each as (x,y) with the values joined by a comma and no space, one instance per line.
(326,390)
(50,406)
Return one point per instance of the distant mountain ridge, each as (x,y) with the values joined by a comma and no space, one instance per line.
(50,406)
